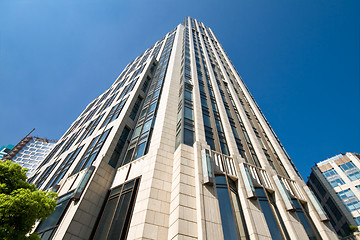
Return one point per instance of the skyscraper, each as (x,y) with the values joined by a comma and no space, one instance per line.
(336,183)
(177,148)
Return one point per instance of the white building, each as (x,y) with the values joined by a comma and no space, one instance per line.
(336,183)
(30,152)
(177,148)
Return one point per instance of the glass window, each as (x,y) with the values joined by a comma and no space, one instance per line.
(119,147)
(187,95)
(238,210)
(135,108)
(226,212)
(333,178)
(115,218)
(188,137)
(140,150)
(271,221)
(137,132)
(156,93)
(152,107)
(143,113)
(128,156)
(62,170)
(306,222)
(349,199)
(147,126)
(91,152)
(351,171)
(49,225)
(188,113)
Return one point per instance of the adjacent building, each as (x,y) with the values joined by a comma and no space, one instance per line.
(177,148)
(336,183)
(5,150)
(30,152)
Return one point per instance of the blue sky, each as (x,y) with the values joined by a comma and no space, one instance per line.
(300,60)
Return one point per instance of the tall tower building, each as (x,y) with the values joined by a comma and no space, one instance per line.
(336,183)
(177,148)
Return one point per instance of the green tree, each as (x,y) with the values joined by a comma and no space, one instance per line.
(21,204)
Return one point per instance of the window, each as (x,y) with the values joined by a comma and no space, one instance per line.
(115,218)
(147,126)
(333,178)
(61,171)
(45,174)
(51,154)
(47,228)
(233,223)
(108,103)
(351,171)
(269,215)
(349,199)
(357,220)
(114,112)
(91,152)
(146,84)
(306,221)
(119,147)
(90,128)
(135,109)
(69,142)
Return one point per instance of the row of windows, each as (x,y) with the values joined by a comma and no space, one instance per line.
(65,144)
(185,119)
(122,79)
(141,137)
(91,152)
(87,159)
(113,114)
(349,199)
(264,141)
(219,127)
(209,136)
(226,105)
(334,179)
(63,168)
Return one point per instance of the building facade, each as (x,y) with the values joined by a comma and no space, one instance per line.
(5,150)
(336,183)
(30,152)
(177,148)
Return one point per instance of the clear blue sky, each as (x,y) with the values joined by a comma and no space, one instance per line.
(300,60)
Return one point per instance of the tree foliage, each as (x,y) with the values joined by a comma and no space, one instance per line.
(21,204)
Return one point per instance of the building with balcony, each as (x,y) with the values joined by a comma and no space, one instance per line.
(177,148)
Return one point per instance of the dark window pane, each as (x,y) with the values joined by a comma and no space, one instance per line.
(128,156)
(54,218)
(188,137)
(226,212)
(188,113)
(119,216)
(106,218)
(305,221)
(207,121)
(268,214)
